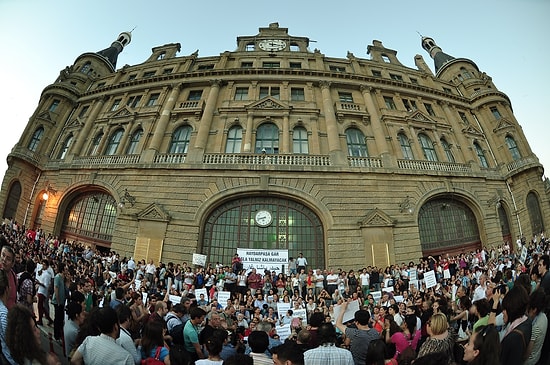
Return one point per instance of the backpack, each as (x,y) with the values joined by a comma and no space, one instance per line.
(153,360)
(177,334)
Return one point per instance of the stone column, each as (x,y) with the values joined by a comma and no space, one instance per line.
(379,138)
(197,152)
(286,135)
(248,132)
(333,137)
(160,129)
(84,135)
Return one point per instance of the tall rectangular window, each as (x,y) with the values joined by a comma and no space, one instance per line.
(463,117)
(297,94)
(54,105)
(194,95)
(133,101)
(273,91)
(410,105)
(83,111)
(241,93)
(495,112)
(389,102)
(116,105)
(153,99)
(429,109)
(345,97)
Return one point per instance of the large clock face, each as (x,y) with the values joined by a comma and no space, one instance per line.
(263,218)
(272,45)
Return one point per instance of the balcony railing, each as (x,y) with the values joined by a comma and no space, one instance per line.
(293,160)
(517,164)
(107,160)
(364,161)
(433,166)
(170,158)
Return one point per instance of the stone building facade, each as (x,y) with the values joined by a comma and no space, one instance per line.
(352,161)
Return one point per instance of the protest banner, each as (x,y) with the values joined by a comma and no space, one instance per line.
(223,297)
(199,259)
(429,279)
(260,259)
(349,314)
(283,331)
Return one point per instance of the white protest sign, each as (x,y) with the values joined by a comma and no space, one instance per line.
(198,293)
(446,274)
(223,297)
(144,296)
(283,331)
(199,259)
(376,295)
(413,275)
(389,289)
(137,285)
(175,299)
(349,314)
(300,313)
(272,260)
(523,256)
(282,308)
(429,279)
(398,298)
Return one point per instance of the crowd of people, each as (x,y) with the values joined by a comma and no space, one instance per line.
(483,307)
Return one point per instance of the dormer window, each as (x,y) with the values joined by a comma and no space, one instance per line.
(385,58)
(149,74)
(396,77)
(294,47)
(161,56)
(250,47)
(337,68)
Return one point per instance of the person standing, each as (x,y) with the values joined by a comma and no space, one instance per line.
(102,349)
(44,279)
(58,300)
(4,287)
(191,333)
(361,336)
(327,353)
(301,262)
(7,259)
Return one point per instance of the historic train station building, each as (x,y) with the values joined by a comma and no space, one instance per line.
(352,161)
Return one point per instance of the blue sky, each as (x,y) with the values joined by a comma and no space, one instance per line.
(507,39)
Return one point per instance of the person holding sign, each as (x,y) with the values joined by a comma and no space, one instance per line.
(361,336)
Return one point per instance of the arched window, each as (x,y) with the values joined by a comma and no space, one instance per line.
(405,146)
(504,223)
(465,74)
(132,146)
(357,145)
(65,147)
(293,226)
(35,140)
(95,144)
(427,147)
(90,216)
(12,201)
(114,141)
(535,215)
(300,141)
(481,155)
(267,139)
(447,148)
(445,225)
(86,68)
(234,139)
(180,140)
(513,147)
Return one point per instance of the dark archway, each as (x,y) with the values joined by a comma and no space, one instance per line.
(292,226)
(447,225)
(10,209)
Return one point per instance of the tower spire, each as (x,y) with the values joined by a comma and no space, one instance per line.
(111,53)
(440,58)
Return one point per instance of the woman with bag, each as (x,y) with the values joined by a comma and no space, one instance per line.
(153,349)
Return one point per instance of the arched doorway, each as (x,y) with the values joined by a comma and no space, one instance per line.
(90,218)
(535,215)
(292,226)
(10,209)
(447,226)
(504,224)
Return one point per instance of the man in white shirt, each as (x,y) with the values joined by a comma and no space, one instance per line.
(125,339)
(44,276)
(479,293)
(103,349)
(332,282)
(319,282)
(365,281)
(301,262)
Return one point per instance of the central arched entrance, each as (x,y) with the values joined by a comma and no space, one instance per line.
(292,226)
(447,225)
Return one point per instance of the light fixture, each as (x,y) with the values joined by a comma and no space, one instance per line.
(49,191)
(406,205)
(126,197)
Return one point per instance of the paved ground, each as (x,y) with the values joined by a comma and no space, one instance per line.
(48,342)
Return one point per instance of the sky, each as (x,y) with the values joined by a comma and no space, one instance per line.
(507,39)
